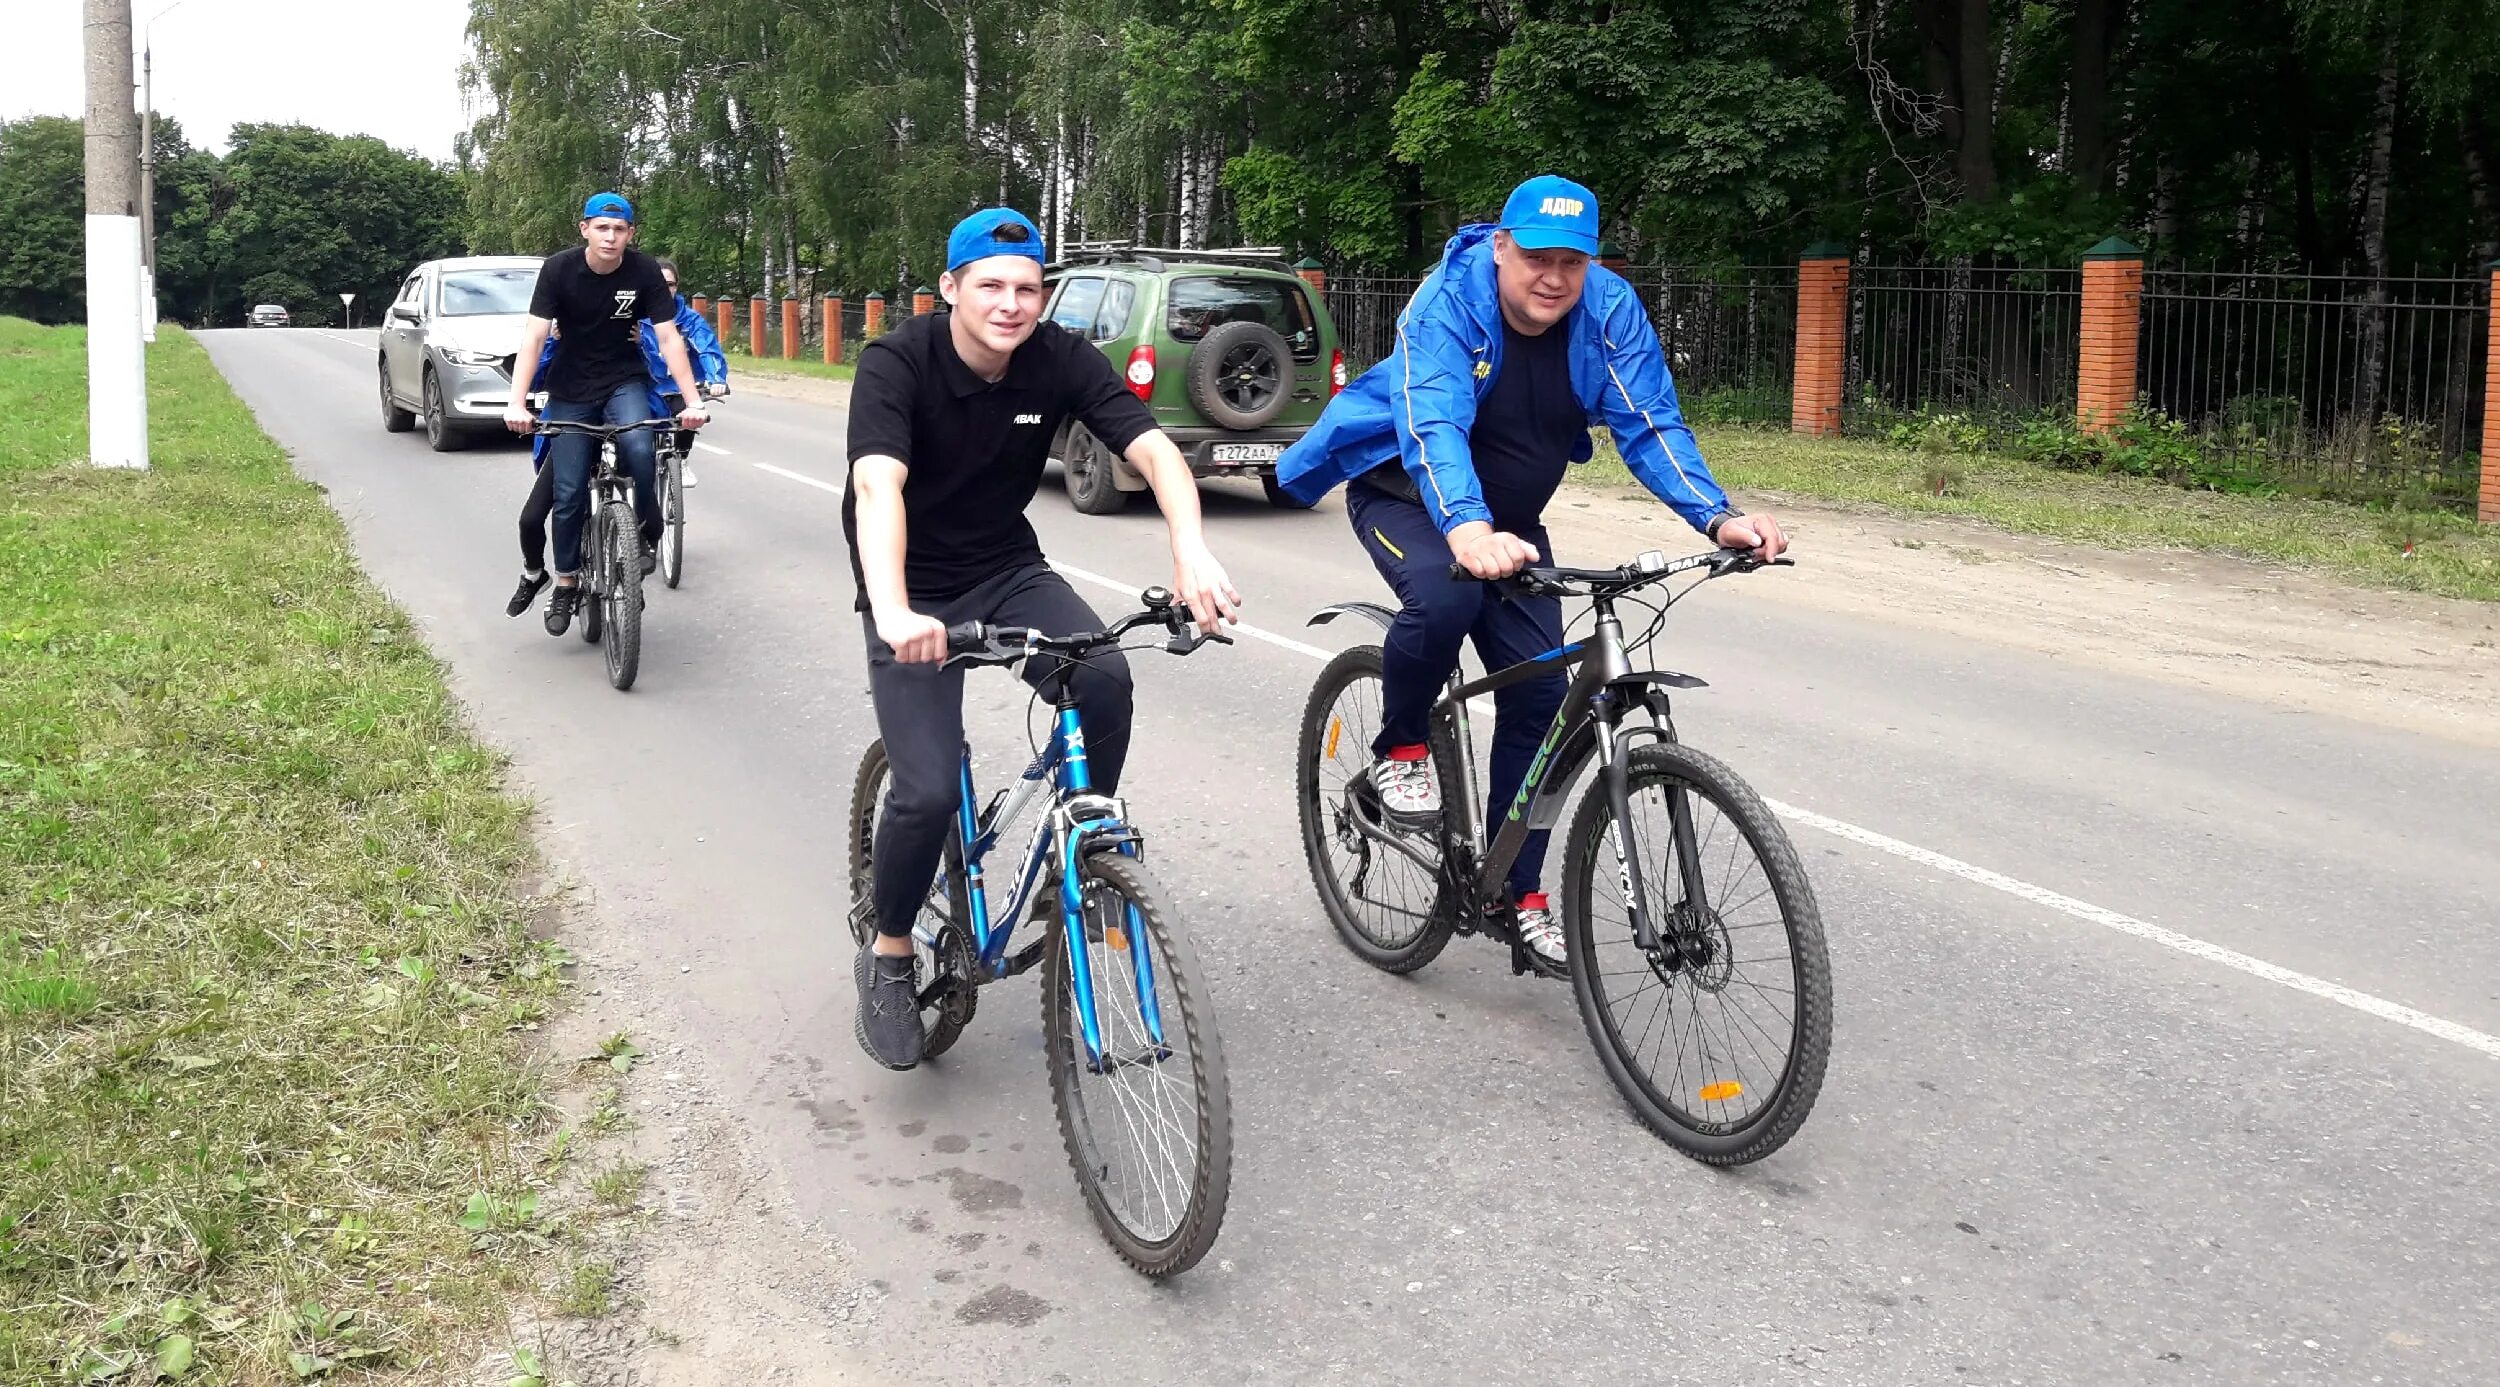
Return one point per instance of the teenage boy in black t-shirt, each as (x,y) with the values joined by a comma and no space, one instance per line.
(951,417)
(599,293)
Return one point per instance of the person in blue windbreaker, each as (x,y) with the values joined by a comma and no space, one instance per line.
(1508,354)
(711,373)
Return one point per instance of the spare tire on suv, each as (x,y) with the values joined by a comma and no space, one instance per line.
(1239,373)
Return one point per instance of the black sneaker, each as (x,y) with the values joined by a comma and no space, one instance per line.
(888,1022)
(650,557)
(525,594)
(560,605)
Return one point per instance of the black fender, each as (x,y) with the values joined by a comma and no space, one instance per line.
(1378,615)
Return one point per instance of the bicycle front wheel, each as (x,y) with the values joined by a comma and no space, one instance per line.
(673,522)
(593,573)
(623,597)
(1718,1037)
(1149,1126)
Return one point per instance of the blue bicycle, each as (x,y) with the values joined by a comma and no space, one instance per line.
(1136,1070)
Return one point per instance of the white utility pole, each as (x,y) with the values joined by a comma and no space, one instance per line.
(117,369)
(147,172)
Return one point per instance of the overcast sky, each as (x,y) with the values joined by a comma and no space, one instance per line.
(387,68)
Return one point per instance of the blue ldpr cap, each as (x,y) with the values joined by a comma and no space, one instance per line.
(607,205)
(993,231)
(1550,212)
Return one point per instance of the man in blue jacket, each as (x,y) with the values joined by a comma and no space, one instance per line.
(711,369)
(1506,356)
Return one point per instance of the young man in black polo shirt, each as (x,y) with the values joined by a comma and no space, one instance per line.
(598,293)
(951,417)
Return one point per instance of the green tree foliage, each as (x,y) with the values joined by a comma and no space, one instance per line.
(291,215)
(803,145)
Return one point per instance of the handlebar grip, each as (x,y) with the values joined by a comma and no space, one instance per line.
(1459,574)
(966,637)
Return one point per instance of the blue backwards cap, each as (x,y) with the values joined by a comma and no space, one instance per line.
(993,231)
(607,205)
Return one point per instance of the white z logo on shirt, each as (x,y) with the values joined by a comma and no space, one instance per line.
(625,303)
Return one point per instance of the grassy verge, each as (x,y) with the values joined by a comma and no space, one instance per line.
(261,943)
(740,364)
(2450,555)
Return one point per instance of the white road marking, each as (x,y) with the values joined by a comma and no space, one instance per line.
(802,478)
(711,448)
(360,346)
(2366,1003)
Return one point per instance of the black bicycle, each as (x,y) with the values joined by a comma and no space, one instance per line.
(611,551)
(1695,951)
(1136,1069)
(674,447)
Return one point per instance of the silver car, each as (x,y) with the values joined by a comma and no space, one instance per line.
(447,345)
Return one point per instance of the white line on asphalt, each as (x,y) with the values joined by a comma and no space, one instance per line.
(360,346)
(1238,628)
(711,448)
(2085,911)
(802,478)
(2337,993)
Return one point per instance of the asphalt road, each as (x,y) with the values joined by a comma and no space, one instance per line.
(2165,1022)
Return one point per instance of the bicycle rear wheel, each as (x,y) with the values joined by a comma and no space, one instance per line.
(673,518)
(622,597)
(1391,910)
(1149,1129)
(947,913)
(1717,1038)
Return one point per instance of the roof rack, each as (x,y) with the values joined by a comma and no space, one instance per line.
(1153,257)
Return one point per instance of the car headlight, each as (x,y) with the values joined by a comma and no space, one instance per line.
(466,358)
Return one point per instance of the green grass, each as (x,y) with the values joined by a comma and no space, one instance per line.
(588,1291)
(2452,556)
(262,953)
(740,364)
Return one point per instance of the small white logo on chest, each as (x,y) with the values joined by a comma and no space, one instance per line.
(625,303)
(1028,418)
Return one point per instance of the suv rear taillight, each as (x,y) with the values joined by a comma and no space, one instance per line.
(1336,372)
(1141,373)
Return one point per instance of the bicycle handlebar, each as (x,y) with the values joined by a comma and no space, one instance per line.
(1649,568)
(979,643)
(551,427)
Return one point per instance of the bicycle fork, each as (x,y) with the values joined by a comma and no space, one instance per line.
(1090,823)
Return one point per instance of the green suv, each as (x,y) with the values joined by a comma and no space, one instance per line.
(1232,351)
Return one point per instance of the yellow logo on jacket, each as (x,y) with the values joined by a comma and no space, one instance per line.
(1483,369)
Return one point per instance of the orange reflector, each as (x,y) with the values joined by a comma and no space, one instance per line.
(1721,1091)
(1335,726)
(1116,937)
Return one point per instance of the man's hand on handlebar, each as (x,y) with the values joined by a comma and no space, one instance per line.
(1759,533)
(1488,553)
(517,417)
(917,639)
(693,416)
(715,390)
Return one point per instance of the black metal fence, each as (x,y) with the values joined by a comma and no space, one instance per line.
(1991,343)
(2332,378)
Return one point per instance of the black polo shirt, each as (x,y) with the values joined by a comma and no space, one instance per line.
(974,449)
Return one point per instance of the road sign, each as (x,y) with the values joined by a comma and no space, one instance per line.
(348,302)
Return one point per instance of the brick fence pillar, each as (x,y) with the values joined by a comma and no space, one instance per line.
(1312,272)
(702,306)
(757,307)
(923,300)
(872,317)
(1822,339)
(2487,509)
(2113,306)
(833,329)
(789,329)
(727,328)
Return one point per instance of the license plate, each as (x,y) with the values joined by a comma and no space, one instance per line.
(1248,452)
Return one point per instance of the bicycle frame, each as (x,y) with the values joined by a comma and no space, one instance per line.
(1080,821)
(1589,723)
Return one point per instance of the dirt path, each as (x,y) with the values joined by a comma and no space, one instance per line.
(2258,631)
